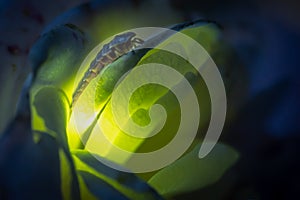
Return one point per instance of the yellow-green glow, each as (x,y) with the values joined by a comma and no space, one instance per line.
(37,122)
(58,72)
(66,176)
(85,112)
(84,191)
(131,194)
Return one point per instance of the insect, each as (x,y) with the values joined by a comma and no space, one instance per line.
(118,46)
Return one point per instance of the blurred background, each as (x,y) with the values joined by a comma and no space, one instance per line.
(265,39)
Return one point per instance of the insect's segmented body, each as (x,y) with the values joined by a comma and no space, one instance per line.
(120,45)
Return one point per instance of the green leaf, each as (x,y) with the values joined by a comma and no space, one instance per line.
(208,35)
(57,56)
(96,95)
(148,95)
(191,173)
(92,170)
(55,59)
(51,106)
(113,73)
(99,188)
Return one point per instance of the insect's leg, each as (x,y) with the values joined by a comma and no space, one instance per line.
(96,70)
(93,72)
(137,41)
(118,52)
